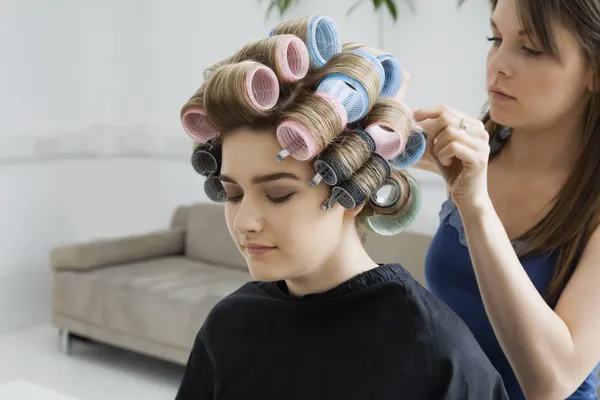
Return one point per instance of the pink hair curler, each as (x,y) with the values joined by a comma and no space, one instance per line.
(339,107)
(262,87)
(388,142)
(292,58)
(296,141)
(197,126)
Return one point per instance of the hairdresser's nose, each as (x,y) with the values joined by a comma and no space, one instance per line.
(249,217)
(500,62)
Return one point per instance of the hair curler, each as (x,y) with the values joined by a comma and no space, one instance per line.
(262,87)
(204,161)
(388,143)
(350,92)
(296,139)
(393,75)
(349,194)
(292,58)
(196,126)
(413,151)
(331,170)
(389,225)
(321,38)
(376,63)
(214,189)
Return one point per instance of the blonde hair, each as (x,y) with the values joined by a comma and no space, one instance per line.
(325,107)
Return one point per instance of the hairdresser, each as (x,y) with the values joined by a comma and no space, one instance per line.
(517,252)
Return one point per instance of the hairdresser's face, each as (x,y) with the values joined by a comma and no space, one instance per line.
(272,206)
(539,90)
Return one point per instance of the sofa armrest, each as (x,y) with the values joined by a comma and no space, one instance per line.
(104,252)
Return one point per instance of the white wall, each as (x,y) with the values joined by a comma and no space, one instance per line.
(90,92)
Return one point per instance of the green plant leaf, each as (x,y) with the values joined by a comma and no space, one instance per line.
(391,5)
(377,3)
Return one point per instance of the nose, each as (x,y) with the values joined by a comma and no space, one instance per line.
(499,62)
(249,217)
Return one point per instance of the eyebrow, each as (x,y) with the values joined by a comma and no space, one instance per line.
(522,32)
(263,178)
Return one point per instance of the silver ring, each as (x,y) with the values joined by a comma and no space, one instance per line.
(462,124)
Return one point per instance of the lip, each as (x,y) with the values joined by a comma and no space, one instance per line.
(499,94)
(257,249)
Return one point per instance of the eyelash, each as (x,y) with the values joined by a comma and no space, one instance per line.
(529,51)
(272,200)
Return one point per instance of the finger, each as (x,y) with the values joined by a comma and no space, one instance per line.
(469,157)
(435,112)
(421,114)
(434,126)
(451,134)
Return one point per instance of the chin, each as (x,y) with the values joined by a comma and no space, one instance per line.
(270,267)
(502,117)
(269,272)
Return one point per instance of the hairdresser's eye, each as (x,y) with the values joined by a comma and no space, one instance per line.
(532,52)
(279,199)
(495,40)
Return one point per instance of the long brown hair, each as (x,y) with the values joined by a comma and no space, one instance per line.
(575,214)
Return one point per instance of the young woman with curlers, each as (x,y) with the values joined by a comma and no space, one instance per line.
(305,162)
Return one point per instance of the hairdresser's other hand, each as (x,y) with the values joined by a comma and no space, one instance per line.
(459,144)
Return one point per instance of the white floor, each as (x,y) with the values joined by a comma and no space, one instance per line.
(92,371)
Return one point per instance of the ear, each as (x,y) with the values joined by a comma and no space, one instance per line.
(356,211)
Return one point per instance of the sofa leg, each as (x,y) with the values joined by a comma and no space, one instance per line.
(65,341)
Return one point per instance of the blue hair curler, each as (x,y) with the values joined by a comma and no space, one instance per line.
(393,75)
(323,41)
(350,92)
(375,62)
(414,150)
(271,32)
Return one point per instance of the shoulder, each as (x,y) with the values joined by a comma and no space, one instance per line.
(446,331)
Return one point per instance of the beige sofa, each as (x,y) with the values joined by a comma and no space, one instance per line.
(150,293)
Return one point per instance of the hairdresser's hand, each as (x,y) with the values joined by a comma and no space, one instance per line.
(459,144)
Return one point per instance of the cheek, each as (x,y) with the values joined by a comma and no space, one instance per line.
(552,92)
(308,226)
(230,212)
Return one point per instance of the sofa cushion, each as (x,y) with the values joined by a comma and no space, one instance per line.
(163,300)
(110,251)
(208,238)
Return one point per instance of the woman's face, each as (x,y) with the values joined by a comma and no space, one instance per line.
(528,88)
(272,213)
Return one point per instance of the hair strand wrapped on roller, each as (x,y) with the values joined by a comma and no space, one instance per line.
(343,157)
(193,118)
(319,33)
(310,126)
(325,102)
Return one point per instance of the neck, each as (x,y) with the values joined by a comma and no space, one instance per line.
(551,149)
(349,259)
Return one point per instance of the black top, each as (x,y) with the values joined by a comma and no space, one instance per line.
(379,335)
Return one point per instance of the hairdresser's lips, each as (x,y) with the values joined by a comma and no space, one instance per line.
(498,95)
(255,249)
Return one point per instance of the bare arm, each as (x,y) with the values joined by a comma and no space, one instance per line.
(551,351)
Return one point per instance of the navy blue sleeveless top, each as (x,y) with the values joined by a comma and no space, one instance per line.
(449,274)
